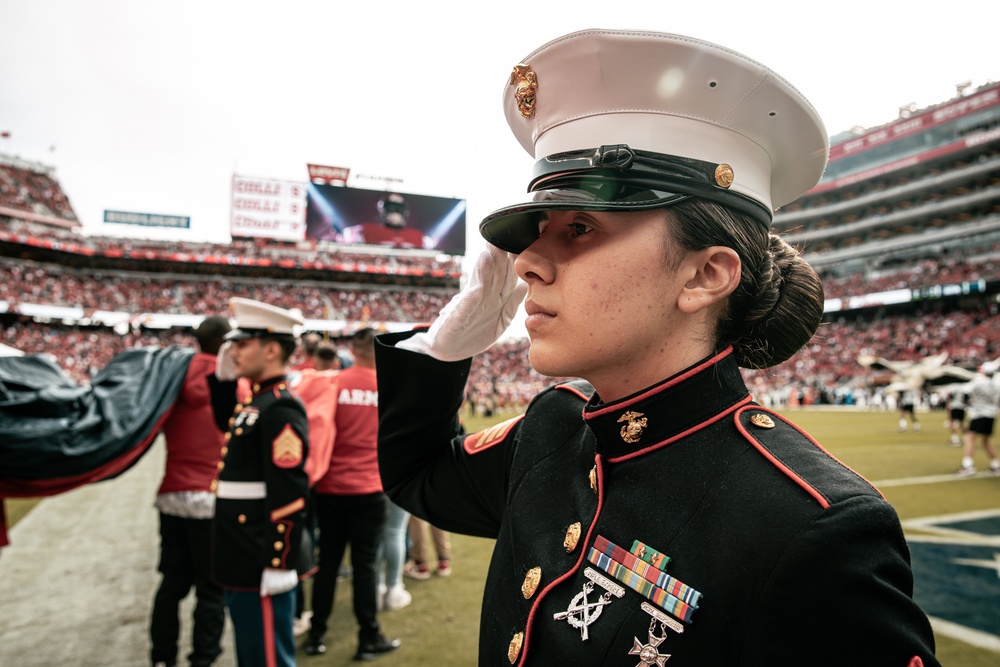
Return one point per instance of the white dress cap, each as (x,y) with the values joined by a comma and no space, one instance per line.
(255,318)
(753,140)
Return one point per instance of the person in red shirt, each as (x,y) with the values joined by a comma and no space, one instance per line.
(310,345)
(351,507)
(186,504)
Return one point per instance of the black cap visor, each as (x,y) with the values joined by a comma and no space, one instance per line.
(244,334)
(609,178)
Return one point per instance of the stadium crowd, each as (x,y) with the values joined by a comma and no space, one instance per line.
(925,273)
(305,254)
(501,380)
(186,294)
(33,190)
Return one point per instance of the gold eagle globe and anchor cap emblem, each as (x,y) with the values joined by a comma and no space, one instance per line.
(525,84)
(632,431)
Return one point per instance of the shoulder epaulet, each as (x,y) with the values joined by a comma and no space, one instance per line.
(799,457)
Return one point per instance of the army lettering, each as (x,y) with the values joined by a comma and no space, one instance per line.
(358,397)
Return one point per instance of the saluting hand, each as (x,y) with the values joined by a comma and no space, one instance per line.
(476,316)
(225,365)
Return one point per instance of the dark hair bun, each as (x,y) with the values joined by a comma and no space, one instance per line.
(785,312)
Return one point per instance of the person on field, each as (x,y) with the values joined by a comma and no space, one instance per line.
(651,510)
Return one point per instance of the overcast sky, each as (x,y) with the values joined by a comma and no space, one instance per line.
(153,106)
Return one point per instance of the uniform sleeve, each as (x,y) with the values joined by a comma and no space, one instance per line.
(424,466)
(223,400)
(841,595)
(285,434)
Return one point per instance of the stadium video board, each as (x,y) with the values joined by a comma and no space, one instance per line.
(390,219)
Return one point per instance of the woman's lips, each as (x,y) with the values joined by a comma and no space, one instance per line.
(537,315)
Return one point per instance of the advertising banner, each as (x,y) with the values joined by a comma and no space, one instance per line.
(324,175)
(266,208)
(147,219)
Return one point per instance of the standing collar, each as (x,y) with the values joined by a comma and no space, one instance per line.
(264,385)
(659,415)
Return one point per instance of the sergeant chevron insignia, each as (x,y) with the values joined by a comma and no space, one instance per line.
(286,449)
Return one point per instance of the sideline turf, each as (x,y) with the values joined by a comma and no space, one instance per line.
(440,628)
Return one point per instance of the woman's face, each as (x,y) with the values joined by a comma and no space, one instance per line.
(602,300)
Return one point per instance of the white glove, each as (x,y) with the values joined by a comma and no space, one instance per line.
(225,366)
(476,316)
(275,582)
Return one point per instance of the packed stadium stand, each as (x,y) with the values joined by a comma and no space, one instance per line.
(904,228)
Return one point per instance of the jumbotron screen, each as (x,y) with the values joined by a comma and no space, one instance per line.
(391,219)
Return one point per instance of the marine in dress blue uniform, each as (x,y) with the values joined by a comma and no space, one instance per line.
(681,524)
(261,495)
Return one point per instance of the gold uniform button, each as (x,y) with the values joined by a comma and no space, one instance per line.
(225,450)
(278,546)
(238,431)
(724,175)
(593,479)
(228,436)
(232,420)
(281,386)
(275,562)
(760,420)
(248,400)
(221,465)
(572,537)
(237,409)
(281,527)
(514,649)
(242,518)
(214,485)
(531,581)
(256,388)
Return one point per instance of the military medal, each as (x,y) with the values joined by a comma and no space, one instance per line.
(649,654)
(604,582)
(582,612)
(665,621)
(643,570)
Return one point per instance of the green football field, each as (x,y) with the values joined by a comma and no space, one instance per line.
(913,470)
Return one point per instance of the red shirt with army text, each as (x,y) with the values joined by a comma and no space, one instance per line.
(354,460)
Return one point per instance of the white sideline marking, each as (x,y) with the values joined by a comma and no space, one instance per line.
(930,479)
(977,638)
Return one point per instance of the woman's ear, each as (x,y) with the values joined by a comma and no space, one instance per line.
(716,275)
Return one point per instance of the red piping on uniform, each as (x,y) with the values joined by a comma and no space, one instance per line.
(267,616)
(808,488)
(811,490)
(579,561)
(573,390)
(916,662)
(287,546)
(659,388)
(682,434)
